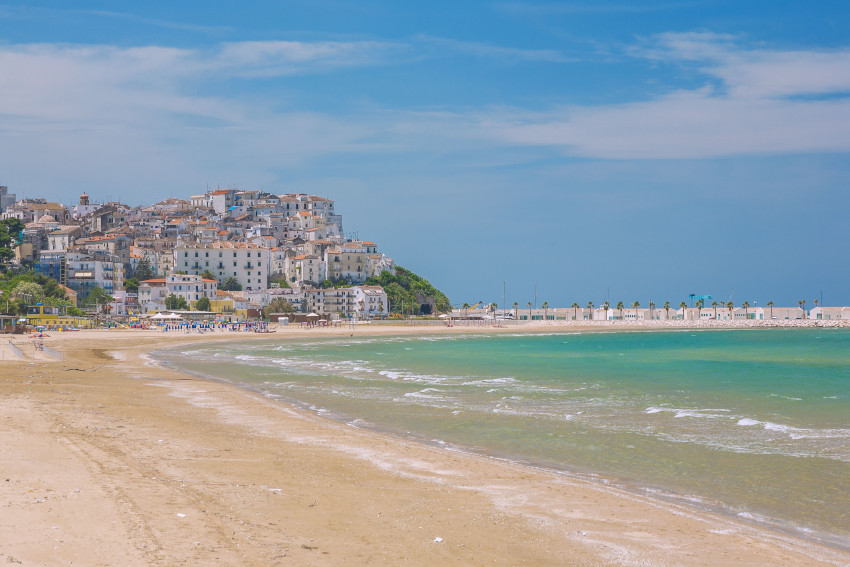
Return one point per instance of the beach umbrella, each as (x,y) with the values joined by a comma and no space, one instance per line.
(312,315)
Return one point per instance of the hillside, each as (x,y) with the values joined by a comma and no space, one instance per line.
(410,293)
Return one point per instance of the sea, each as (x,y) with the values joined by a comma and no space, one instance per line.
(753,424)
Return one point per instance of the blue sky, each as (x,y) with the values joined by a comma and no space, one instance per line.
(643,151)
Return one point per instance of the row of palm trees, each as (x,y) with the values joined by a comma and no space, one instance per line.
(636,305)
(700,304)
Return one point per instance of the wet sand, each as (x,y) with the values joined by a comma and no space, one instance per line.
(112,458)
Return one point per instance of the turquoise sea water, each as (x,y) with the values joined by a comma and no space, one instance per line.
(751,423)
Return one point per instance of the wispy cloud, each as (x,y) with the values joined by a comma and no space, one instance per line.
(506,54)
(8,12)
(566,8)
(754,101)
(277,58)
(755,72)
(153,21)
(153,113)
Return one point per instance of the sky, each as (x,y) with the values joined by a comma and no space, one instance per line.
(589,150)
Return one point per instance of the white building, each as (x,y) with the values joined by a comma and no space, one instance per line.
(305,269)
(85,271)
(190,287)
(370,301)
(248,263)
(152,294)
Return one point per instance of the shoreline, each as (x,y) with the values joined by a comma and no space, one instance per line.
(135,430)
(603,481)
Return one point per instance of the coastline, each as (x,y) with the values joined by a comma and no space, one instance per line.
(117,458)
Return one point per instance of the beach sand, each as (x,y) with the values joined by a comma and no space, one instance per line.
(111,458)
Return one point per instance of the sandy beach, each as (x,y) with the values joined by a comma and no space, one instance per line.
(112,458)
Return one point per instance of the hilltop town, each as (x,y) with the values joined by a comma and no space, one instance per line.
(227,251)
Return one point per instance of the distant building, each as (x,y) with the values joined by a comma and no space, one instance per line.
(6,199)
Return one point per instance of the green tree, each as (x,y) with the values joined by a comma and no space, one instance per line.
(770,304)
(714,304)
(28,291)
(575,310)
(230,284)
(415,287)
(97,298)
(208,275)
(516,313)
(620,307)
(684,307)
(144,270)
(529,310)
(10,237)
(667,308)
(545,307)
(590,310)
(173,302)
(131,285)
(203,304)
(278,305)
(635,306)
(605,305)
(279,279)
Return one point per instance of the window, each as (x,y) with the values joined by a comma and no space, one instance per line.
(196,254)
(207,254)
(234,264)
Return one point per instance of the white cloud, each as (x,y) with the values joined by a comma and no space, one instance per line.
(75,114)
(756,73)
(767,102)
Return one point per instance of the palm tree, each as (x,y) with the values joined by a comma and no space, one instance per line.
(516,314)
(465,308)
(493,308)
(529,311)
(770,304)
(652,310)
(590,310)
(605,306)
(635,306)
(620,306)
(700,304)
(667,308)
(746,305)
(545,307)
(684,307)
(714,304)
(802,304)
(729,306)
(575,310)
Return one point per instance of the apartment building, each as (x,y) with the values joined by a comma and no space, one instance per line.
(248,263)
